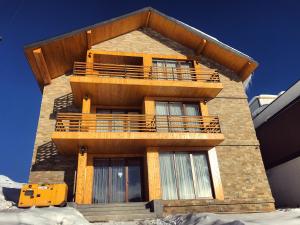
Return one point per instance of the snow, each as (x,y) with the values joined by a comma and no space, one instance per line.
(278,217)
(11,215)
(9,192)
(42,216)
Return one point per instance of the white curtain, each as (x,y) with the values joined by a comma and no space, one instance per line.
(162,111)
(118,181)
(202,175)
(184,176)
(167,176)
(185,71)
(193,123)
(100,185)
(103,124)
(171,70)
(118,122)
(176,123)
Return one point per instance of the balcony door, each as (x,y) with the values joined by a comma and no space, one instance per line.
(171,70)
(177,117)
(117,180)
(113,120)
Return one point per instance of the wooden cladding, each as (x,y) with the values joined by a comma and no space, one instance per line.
(77,122)
(144,72)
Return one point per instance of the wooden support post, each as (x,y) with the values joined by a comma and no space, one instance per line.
(154,187)
(203,108)
(147,63)
(215,174)
(88,191)
(89,39)
(81,176)
(149,111)
(42,66)
(197,67)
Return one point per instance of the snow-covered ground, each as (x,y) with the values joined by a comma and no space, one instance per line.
(9,192)
(279,217)
(11,215)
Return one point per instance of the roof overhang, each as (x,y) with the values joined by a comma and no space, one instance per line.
(55,56)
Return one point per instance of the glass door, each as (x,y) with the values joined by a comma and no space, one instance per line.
(117,180)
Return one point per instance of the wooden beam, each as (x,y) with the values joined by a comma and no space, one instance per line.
(201,47)
(246,71)
(89,39)
(148,19)
(42,66)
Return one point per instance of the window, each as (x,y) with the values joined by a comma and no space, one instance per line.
(113,121)
(185,176)
(177,117)
(171,70)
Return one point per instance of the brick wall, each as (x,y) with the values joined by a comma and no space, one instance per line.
(48,166)
(243,177)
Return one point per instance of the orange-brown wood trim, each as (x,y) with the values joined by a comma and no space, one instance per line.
(215,174)
(81,178)
(174,99)
(133,54)
(42,66)
(89,39)
(201,47)
(148,18)
(204,108)
(153,167)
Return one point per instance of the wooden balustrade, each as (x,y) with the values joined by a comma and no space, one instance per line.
(78,122)
(144,72)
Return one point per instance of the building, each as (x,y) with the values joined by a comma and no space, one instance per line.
(144,107)
(259,103)
(277,129)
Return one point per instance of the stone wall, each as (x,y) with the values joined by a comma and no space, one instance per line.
(48,166)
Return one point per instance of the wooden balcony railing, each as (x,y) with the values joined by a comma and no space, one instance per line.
(143,72)
(78,122)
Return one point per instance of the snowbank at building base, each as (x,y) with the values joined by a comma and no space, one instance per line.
(9,192)
(42,216)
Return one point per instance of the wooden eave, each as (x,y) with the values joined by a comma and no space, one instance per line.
(59,53)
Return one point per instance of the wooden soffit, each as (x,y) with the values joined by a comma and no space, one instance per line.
(59,53)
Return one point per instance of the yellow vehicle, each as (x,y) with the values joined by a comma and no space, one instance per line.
(43,195)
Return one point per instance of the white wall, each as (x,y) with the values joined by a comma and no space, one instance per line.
(285,183)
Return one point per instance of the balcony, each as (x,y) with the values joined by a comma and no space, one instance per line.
(123,133)
(114,84)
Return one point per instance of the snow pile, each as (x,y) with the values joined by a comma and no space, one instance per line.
(42,216)
(9,192)
(278,217)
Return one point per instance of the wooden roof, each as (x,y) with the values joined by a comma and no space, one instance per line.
(53,57)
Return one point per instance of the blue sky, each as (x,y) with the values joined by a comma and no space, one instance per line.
(268,31)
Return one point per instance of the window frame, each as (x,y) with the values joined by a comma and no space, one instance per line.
(190,153)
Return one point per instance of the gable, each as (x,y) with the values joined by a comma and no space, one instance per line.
(144,40)
(53,57)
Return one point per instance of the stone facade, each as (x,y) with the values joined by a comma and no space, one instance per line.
(48,166)
(242,172)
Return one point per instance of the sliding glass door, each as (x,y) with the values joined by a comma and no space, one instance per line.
(177,117)
(171,70)
(117,180)
(115,121)
(185,176)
